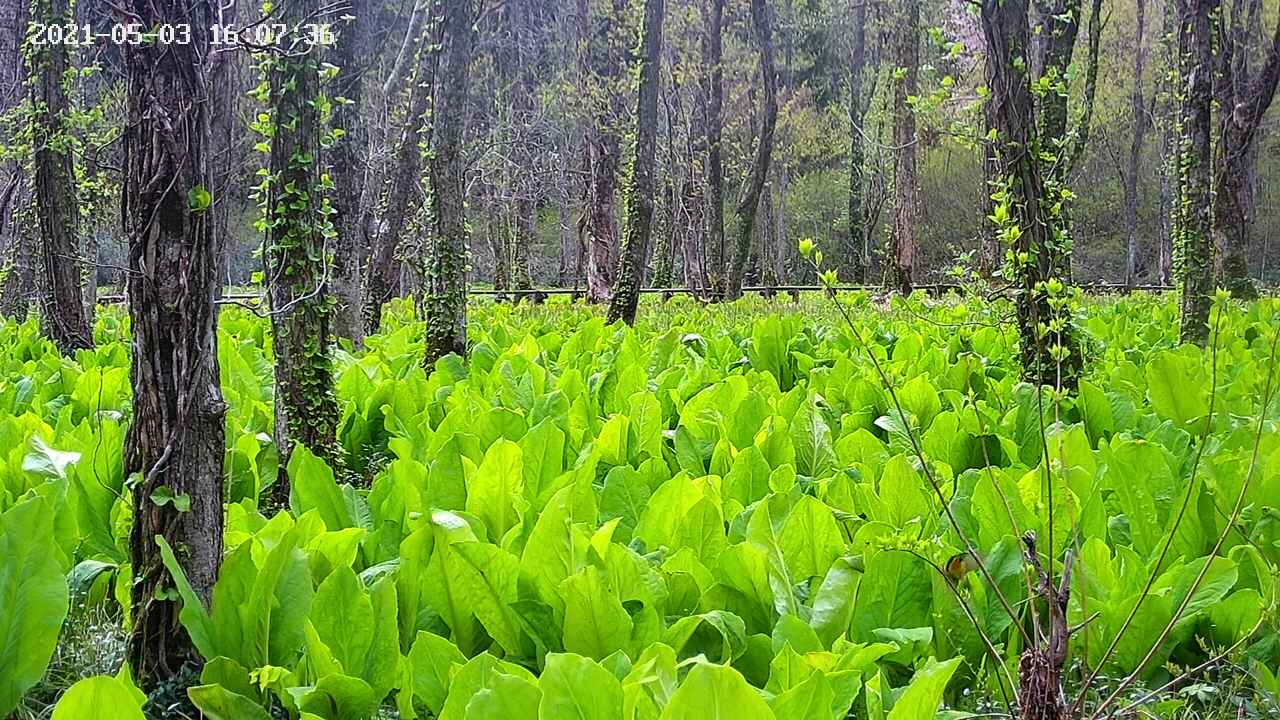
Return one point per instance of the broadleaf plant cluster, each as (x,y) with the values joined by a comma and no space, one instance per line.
(719,513)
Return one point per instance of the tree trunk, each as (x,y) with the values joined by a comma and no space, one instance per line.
(747,209)
(1131,179)
(1049,357)
(604,148)
(663,256)
(499,228)
(855,262)
(569,255)
(767,237)
(176,438)
(663,249)
(298,224)
(1195,45)
(1059,33)
(691,247)
(404,195)
(640,196)
(62,308)
(716,252)
(226,135)
(15,189)
(517,59)
(1170,149)
(352,57)
(906,184)
(523,240)
(1242,113)
(445,300)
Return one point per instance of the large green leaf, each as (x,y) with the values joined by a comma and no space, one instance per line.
(716,692)
(431,662)
(312,486)
(478,674)
(493,488)
(507,698)
(1176,384)
(924,692)
(101,698)
(810,700)
(576,688)
(811,438)
(219,703)
(894,593)
(595,623)
(33,599)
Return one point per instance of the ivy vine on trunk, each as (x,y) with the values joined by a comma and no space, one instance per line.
(298,247)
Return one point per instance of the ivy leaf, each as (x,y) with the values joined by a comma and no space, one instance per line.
(199,199)
(164,495)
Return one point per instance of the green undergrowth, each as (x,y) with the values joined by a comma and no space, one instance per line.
(720,513)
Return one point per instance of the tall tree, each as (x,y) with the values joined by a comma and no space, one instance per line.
(446,295)
(299,228)
(713,53)
(1131,175)
(854,252)
(227,134)
(1030,214)
(15,186)
(404,190)
(605,57)
(1170,144)
(351,55)
(640,196)
(1195,217)
(63,314)
(1063,140)
(750,204)
(520,58)
(176,437)
(1243,100)
(906,183)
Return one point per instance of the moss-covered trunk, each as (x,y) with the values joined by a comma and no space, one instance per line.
(63,315)
(297,249)
(445,298)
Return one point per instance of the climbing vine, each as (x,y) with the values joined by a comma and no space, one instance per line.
(296,219)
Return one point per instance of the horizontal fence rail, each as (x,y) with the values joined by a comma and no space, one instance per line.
(933,289)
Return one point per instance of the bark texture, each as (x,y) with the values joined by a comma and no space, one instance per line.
(748,207)
(63,315)
(716,261)
(906,183)
(1049,356)
(640,195)
(604,152)
(854,250)
(227,134)
(176,438)
(351,56)
(1195,244)
(405,195)
(15,187)
(1243,101)
(446,297)
(1170,146)
(297,251)
(1131,179)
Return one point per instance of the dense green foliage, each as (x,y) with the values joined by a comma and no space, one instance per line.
(718,513)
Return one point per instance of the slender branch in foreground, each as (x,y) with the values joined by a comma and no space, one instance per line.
(924,464)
